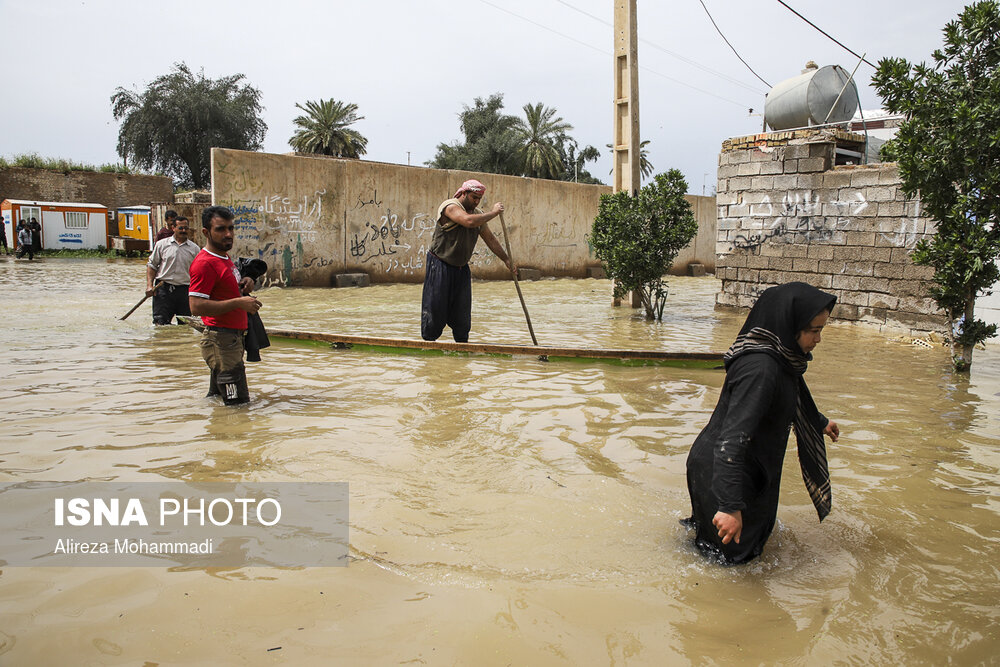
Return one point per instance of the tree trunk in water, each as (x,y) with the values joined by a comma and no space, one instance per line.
(965,363)
(647,302)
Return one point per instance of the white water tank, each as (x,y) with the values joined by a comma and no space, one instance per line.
(807,99)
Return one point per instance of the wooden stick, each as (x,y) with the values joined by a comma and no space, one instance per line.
(510,258)
(142,301)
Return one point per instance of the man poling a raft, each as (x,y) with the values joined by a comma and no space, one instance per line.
(447,296)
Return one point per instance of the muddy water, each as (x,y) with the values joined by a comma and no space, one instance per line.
(502,511)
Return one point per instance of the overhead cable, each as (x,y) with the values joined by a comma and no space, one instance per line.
(689,61)
(731,46)
(825,33)
(609,54)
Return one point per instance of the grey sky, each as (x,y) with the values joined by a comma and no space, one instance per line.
(411,65)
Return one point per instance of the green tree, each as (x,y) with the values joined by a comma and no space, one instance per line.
(637,238)
(574,158)
(948,150)
(538,135)
(173,125)
(325,129)
(490,141)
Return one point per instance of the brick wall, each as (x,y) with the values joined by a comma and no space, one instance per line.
(787,212)
(111,190)
(189,210)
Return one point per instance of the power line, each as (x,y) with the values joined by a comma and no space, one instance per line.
(685,59)
(825,33)
(731,46)
(608,53)
(544,27)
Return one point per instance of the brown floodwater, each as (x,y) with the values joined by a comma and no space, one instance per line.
(501,511)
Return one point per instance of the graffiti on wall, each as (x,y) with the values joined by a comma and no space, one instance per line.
(556,235)
(803,217)
(799,218)
(310,221)
(280,226)
(389,236)
(385,241)
(909,231)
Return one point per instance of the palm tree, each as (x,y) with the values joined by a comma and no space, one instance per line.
(324,129)
(645,166)
(539,154)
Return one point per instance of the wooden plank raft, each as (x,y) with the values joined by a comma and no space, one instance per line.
(404,345)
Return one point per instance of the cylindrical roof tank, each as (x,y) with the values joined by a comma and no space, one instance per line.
(806,99)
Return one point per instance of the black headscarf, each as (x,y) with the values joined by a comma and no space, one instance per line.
(771,328)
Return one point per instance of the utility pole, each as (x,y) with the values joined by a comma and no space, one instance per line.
(625,171)
(626,104)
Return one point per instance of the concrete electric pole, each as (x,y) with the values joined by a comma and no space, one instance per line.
(625,172)
(626,91)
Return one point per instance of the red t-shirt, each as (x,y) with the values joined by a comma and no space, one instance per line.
(215,277)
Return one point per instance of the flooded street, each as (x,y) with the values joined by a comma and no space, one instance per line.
(501,511)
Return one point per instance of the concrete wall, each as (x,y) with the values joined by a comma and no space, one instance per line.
(88,187)
(988,309)
(787,213)
(702,248)
(310,217)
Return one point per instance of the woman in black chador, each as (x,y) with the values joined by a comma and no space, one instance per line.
(734,468)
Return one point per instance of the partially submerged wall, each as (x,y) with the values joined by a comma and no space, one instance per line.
(702,247)
(786,213)
(312,217)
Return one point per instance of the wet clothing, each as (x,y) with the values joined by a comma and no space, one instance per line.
(216,277)
(256,338)
(447,300)
(36,235)
(735,462)
(170,301)
(447,295)
(222,350)
(24,243)
(3,236)
(171,261)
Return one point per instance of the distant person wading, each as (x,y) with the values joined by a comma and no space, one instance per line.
(169,265)
(24,241)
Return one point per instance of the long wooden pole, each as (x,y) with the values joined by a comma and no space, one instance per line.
(141,301)
(510,258)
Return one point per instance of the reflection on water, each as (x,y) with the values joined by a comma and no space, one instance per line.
(502,511)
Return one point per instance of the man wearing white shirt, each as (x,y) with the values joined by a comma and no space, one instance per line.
(170,265)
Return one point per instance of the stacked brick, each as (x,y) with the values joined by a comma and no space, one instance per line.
(786,213)
(84,187)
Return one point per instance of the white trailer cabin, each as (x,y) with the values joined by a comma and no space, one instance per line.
(64,225)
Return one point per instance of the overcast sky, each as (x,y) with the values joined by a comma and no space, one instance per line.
(411,65)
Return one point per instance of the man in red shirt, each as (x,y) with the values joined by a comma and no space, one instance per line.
(221,297)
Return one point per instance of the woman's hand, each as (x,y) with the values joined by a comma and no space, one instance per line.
(730,525)
(832,430)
